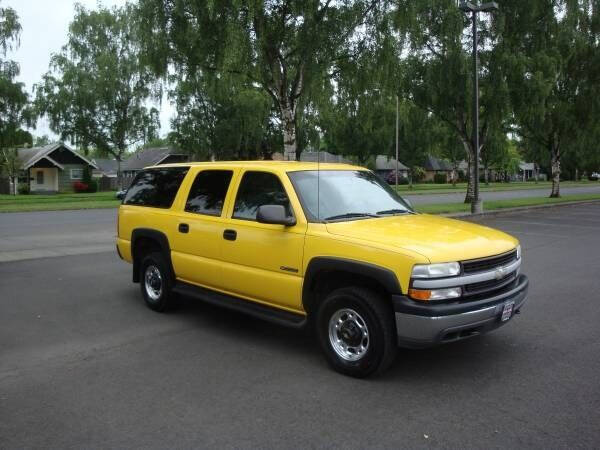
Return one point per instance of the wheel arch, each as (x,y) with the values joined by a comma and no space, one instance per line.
(144,240)
(325,274)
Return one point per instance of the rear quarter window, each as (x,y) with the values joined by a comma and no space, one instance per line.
(155,188)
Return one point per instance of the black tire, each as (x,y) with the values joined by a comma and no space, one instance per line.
(158,297)
(381,340)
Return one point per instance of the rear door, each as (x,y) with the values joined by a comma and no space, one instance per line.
(263,262)
(199,228)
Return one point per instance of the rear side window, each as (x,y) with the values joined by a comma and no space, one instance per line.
(156,188)
(257,189)
(208,192)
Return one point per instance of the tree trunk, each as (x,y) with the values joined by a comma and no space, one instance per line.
(470,168)
(486,174)
(119,174)
(288,117)
(555,160)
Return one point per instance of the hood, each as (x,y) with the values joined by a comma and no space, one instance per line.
(438,238)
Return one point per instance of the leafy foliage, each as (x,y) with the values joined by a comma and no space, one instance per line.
(96,91)
(554,77)
(14,101)
(282,47)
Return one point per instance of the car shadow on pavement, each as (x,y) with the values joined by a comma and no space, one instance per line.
(455,361)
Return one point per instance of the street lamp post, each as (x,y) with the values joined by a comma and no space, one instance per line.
(476,203)
(397,136)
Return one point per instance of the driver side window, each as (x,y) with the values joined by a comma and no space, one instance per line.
(257,189)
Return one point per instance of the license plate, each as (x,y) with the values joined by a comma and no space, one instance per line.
(507,311)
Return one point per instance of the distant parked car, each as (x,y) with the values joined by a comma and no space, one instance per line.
(595,176)
(390,178)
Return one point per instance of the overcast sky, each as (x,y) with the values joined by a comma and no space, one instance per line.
(45,26)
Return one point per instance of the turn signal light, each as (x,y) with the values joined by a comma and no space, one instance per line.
(435,294)
(419,294)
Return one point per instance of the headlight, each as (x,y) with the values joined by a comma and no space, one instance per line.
(519,251)
(436,270)
(435,294)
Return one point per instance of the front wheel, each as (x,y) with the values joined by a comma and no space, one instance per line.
(356,332)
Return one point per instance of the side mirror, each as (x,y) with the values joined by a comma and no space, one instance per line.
(274,214)
(121,195)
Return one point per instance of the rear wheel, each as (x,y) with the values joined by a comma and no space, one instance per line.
(356,332)
(155,282)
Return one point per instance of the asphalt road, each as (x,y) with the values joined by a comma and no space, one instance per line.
(84,364)
(426,199)
(56,233)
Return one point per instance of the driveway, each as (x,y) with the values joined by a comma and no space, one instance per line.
(84,364)
(425,199)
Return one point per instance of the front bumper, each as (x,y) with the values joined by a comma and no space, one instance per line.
(423,325)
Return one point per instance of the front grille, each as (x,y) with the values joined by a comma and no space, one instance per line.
(485,264)
(489,285)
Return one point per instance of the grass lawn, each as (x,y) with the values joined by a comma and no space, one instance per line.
(443,208)
(431,188)
(10,203)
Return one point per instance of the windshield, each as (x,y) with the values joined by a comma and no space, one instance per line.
(346,195)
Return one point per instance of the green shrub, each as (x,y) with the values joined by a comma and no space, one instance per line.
(440,178)
(23,188)
(418,173)
(92,186)
(403,180)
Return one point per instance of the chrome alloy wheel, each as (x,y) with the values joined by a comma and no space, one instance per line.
(153,282)
(348,334)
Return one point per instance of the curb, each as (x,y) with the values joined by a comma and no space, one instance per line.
(497,212)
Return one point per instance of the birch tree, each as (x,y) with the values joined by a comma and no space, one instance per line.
(281,46)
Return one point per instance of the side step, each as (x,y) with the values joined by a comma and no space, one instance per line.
(274,315)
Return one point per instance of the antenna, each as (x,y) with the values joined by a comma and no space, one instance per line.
(318,184)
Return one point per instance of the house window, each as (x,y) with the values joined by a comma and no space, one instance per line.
(39,177)
(76,174)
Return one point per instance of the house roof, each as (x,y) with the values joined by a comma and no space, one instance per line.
(324,157)
(383,162)
(148,157)
(436,164)
(106,166)
(29,156)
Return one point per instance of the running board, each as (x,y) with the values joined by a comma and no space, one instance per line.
(268,313)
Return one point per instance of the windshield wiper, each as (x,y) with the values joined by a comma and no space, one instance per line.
(394,211)
(350,215)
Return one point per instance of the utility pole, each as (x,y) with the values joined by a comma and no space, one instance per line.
(468,7)
(397,136)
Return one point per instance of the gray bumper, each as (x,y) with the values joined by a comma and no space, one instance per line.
(423,326)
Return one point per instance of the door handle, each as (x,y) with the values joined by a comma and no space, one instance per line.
(184,228)
(230,235)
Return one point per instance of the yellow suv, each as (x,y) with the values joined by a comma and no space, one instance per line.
(331,246)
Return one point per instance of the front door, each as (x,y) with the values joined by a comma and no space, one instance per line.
(44,179)
(196,244)
(263,262)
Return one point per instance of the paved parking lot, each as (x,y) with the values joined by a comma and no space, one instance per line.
(84,364)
